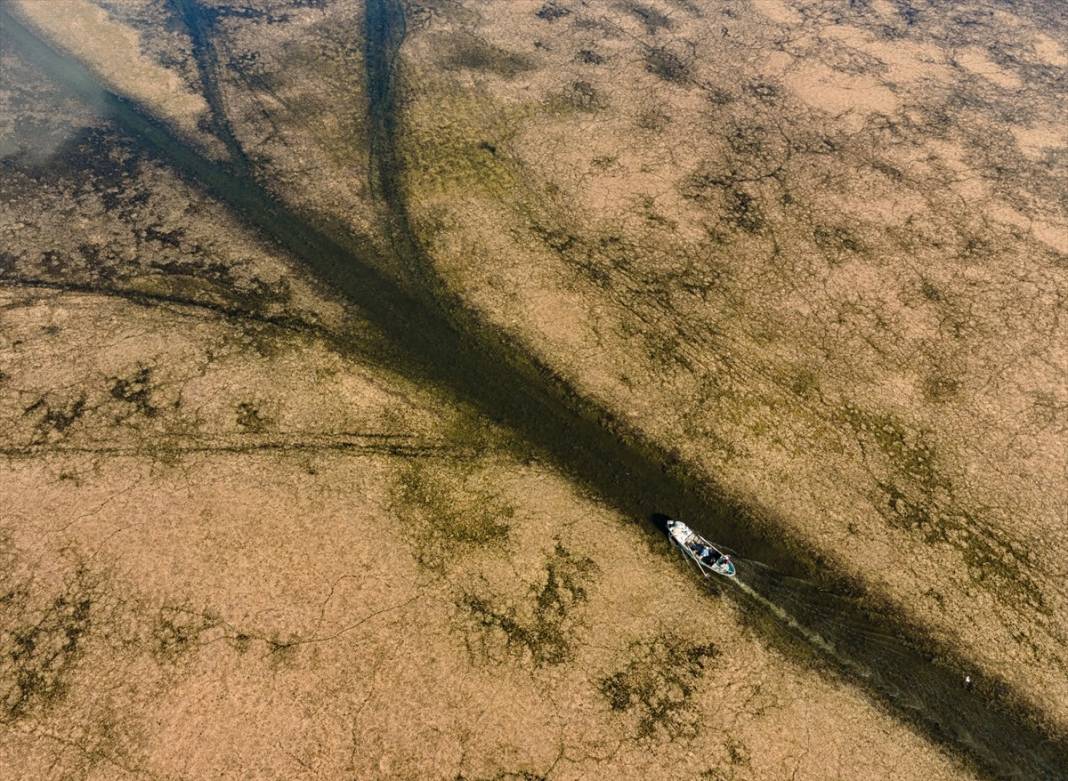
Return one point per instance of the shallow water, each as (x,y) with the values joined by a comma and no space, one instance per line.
(435,339)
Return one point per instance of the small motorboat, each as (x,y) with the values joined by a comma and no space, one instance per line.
(700,551)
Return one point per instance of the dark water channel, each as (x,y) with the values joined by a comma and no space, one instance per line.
(792,599)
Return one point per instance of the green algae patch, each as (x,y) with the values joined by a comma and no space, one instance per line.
(456,139)
(471,53)
(452,509)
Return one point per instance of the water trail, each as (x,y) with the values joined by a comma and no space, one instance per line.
(813,637)
(917,684)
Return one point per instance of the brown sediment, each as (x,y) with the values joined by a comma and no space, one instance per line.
(546,594)
(503,256)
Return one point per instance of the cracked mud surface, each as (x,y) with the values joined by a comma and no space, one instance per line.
(814,254)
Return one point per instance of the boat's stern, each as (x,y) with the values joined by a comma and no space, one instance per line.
(724,566)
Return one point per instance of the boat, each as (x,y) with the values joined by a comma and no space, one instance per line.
(708,558)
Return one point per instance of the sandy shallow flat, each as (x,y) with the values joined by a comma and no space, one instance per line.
(813,254)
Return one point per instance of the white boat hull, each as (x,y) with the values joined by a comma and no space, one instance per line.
(708,559)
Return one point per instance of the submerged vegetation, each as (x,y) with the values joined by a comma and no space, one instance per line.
(540,628)
(452,510)
(41,644)
(658,686)
(655,256)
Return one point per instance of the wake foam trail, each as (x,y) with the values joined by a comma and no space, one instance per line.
(914,680)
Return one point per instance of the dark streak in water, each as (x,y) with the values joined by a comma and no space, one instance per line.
(883,656)
(198,27)
(438,340)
